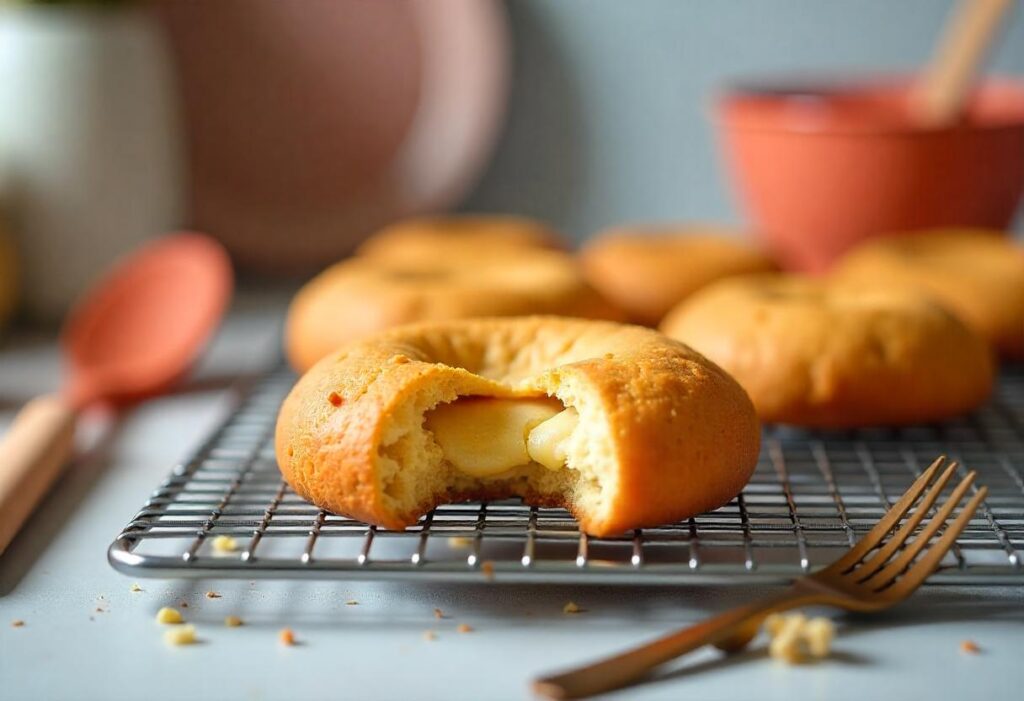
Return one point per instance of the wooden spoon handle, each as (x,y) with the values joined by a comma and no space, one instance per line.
(939,96)
(32,454)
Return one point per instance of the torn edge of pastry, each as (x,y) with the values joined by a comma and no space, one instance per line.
(548,443)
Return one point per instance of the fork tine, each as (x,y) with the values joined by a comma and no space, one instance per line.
(888,573)
(878,559)
(888,522)
(923,568)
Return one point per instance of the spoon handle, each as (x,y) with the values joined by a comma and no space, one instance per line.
(37,446)
(939,96)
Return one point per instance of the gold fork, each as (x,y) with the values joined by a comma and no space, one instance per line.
(875,574)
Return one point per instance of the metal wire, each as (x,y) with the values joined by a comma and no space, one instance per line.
(812,495)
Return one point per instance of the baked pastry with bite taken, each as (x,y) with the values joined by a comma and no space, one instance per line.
(619,424)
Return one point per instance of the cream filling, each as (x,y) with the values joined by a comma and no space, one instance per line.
(486,436)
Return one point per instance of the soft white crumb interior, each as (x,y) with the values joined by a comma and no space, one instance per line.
(413,470)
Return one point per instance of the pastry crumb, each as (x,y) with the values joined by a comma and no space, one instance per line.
(168,615)
(17,623)
(225,544)
(232,621)
(487,567)
(572,607)
(970,647)
(135,587)
(351,602)
(459,542)
(438,614)
(212,595)
(286,636)
(181,635)
(184,604)
(429,635)
(795,639)
(464,628)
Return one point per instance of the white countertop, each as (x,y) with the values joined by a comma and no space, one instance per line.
(55,577)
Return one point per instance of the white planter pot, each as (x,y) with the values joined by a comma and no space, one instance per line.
(89,135)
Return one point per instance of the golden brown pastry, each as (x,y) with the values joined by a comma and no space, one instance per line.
(978,274)
(622,426)
(814,355)
(459,234)
(360,296)
(648,270)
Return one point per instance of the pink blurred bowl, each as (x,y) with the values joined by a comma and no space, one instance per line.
(819,170)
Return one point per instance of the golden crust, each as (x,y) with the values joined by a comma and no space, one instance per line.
(814,355)
(684,435)
(361,296)
(977,274)
(648,270)
(459,234)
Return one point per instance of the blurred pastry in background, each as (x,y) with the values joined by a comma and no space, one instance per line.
(439,236)
(976,273)
(363,295)
(647,270)
(824,355)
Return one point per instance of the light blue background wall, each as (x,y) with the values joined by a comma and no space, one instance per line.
(609,114)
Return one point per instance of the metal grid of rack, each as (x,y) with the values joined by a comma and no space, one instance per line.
(812,495)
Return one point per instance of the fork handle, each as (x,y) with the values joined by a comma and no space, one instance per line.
(619,670)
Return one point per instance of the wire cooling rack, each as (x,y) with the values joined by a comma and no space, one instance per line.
(812,495)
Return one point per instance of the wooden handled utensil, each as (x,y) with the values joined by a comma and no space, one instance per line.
(882,569)
(939,96)
(130,337)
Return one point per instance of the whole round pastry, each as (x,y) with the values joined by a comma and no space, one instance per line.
(815,355)
(459,234)
(619,424)
(360,296)
(978,274)
(648,270)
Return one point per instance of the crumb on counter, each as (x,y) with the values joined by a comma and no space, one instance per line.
(488,569)
(572,607)
(438,614)
(464,628)
(212,595)
(429,635)
(459,542)
(168,615)
(181,635)
(232,621)
(17,623)
(351,602)
(225,544)
(136,588)
(970,647)
(286,636)
(184,604)
(795,638)
(818,633)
